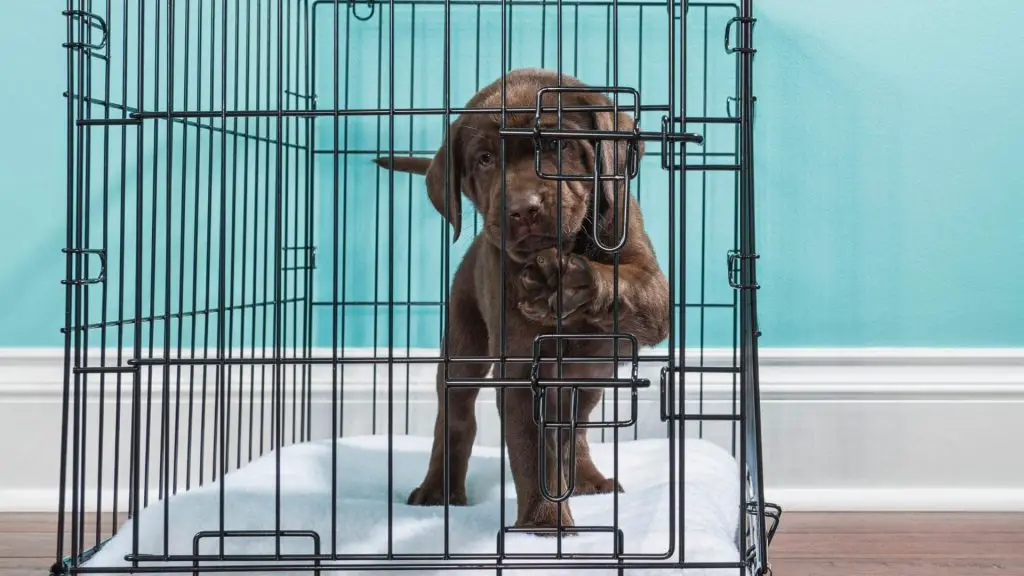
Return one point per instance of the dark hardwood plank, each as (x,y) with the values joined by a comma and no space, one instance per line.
(24,566)
(902,522)
(899,544)
(35,545)
(41,522)
(890,546)
(921,567)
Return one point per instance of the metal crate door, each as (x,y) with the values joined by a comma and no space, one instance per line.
(188,292)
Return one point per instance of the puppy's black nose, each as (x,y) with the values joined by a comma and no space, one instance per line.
(524,210)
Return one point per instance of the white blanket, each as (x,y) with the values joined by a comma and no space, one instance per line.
(710,524)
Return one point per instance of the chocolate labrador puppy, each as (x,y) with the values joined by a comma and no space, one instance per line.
(532,271)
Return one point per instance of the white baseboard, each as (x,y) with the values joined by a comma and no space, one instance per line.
(791,499)
(898,499)
(843,429)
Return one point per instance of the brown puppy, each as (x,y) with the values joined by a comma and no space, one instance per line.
(531,276)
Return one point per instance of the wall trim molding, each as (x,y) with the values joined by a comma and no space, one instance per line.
(898,499)
(791,499)
(844,429)
(916,373)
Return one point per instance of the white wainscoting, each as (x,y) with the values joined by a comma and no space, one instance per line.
(843,429)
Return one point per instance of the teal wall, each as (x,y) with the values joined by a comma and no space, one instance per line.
(365,206)
(32,173)
(888,171)
(890,180)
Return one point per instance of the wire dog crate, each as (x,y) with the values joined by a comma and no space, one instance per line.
(242,279)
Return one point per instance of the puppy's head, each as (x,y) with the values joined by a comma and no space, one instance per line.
(470,163)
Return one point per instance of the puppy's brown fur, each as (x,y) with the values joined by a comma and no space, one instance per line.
(531,278)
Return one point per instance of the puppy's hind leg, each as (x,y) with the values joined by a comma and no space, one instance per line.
(522,439)
(467,338)
(589,480)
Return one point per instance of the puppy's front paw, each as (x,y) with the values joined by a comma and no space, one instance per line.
(538,287)
(428,494)
(587,486)
(543,519)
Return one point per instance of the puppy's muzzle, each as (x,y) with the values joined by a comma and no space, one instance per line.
(529,224)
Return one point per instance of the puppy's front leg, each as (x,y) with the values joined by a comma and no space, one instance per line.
(589,479)
(522,439)
(641,297)
(461,433)
(467,337)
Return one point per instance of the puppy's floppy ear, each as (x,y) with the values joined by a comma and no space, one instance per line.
(614,154)
(436,179)
(607,121)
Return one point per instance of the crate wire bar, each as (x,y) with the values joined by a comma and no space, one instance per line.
(231,251)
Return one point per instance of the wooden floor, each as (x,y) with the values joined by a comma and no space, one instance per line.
(869,544)
(806,545)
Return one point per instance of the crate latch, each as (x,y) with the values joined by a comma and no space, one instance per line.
(540,387)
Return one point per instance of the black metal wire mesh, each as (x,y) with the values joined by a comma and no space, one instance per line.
(241,277)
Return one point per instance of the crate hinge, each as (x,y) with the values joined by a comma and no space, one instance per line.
(736,260)
(91,21)
(729,48)
(101,254)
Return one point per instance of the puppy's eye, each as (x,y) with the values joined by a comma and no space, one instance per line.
(485,159)
(554,145)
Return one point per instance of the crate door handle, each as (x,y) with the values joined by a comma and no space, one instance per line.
(597,196)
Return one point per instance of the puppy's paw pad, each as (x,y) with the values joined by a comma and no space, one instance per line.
(569,264)
(572,300)
(539,282)
(531,279)
(536,311)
